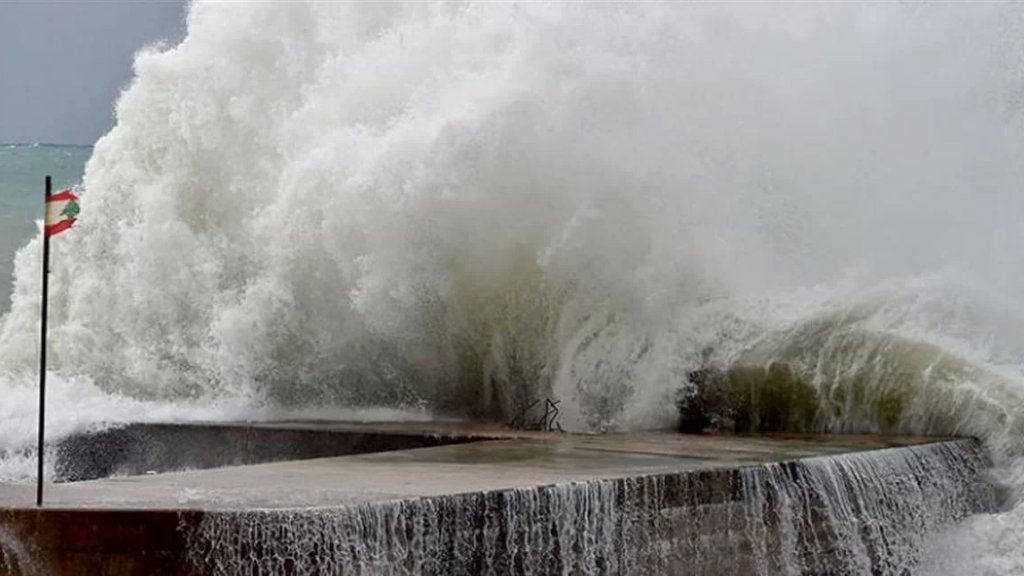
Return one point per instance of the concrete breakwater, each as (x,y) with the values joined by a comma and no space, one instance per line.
(852,514)
(534,504)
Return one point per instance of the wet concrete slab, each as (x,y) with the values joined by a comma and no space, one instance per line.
(452,486)
(498,460)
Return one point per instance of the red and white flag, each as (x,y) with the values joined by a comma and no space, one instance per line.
(61,212)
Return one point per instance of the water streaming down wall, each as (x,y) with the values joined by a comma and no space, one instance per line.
(862,513)
(15,557)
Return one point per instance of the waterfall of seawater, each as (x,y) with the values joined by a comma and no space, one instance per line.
(15,556)
(858,514)
(781,216)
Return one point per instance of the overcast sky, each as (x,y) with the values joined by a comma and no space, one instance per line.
(63,63)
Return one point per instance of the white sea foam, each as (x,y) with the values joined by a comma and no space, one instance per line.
(471,206)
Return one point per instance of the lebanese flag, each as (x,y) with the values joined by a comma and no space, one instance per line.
(61,211)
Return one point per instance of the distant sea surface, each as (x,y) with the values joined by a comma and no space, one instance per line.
(22,170)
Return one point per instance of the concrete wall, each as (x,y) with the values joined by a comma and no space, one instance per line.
(95,543)
(859,513)
(140,448)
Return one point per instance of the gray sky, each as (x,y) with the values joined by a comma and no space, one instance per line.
(63,63)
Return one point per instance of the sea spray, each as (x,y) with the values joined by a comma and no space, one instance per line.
(471,207)
(476,206)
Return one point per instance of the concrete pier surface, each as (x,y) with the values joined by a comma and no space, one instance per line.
(148,524)
(496,460)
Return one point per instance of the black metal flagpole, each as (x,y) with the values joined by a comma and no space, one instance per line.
(42,351)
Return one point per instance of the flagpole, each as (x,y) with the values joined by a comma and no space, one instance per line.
(42,351)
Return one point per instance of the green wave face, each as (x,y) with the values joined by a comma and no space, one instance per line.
(838,374)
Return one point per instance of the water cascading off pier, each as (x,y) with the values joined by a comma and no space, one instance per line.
(491,502)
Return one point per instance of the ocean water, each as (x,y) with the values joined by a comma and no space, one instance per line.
(464,208)
(22,170)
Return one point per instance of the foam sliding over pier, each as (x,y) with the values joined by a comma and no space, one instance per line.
(500,503)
